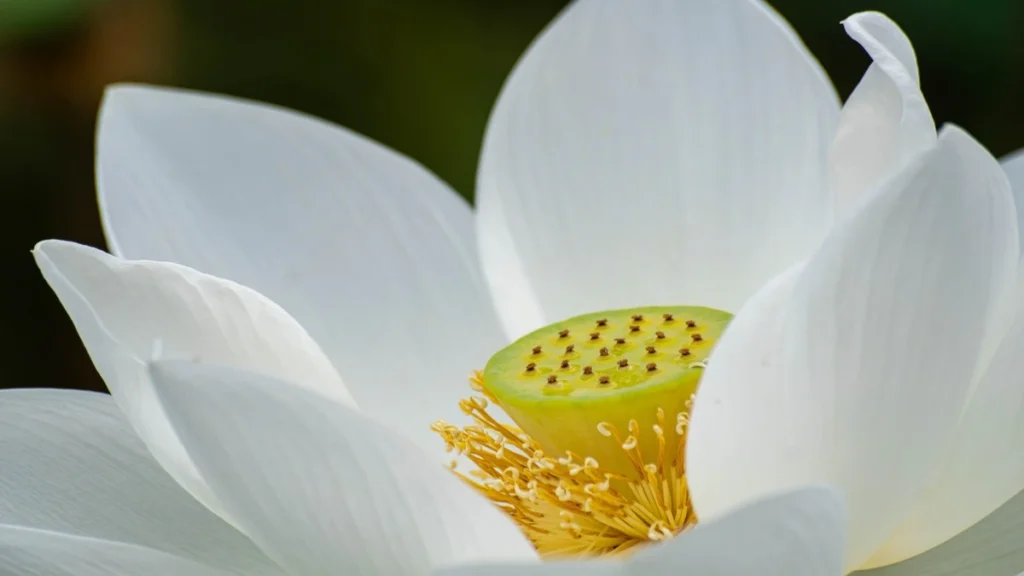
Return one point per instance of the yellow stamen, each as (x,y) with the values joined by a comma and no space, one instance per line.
(570,506)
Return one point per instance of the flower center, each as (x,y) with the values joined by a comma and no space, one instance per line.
(594,463)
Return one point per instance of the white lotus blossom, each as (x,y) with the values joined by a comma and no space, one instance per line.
(289,307)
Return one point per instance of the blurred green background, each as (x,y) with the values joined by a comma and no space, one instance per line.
(418,75)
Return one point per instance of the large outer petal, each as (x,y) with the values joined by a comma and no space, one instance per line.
(799,533)
(321,488)
(653,151)
(985,464)
(73,471)
(992,547)
(129,312)
(28,552)
(885,123)
(854,369)
(373,254)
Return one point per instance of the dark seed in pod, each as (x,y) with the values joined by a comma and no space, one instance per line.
(604,379)
(531,366)
(563,334)
(536,349)
(651,366)
(684,351)
(651,350)
(552,379)
(604,352)
(697,337)
(620,340)
(565,364)
(570,348)
(602,322)
(691,324)
(623,363)
(595,335)
(588,370)
(660,335)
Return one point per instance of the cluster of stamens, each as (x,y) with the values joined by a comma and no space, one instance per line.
(571,506)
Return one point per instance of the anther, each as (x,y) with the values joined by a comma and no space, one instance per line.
(634,328)
(563,334)
(651,366)
(531,366)
(588,370)
(565,364)
(602,322)
(660,335)
(570,348)
(691,324)
(595,335)
(536,349)
(684,351)
(624,363)
(552,379)
(638,317)
(604,379)
(651,350)
(668,317)
(697,337)
(603,352)
(620,340)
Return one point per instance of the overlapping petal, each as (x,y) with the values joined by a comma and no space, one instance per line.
(26,552)
(992,547)
(854,369)
(128,312)
(1013,165)
(78,488)
(885,123)
(653,152)
(321,488)
(373,254)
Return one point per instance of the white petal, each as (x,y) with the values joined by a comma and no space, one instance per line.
(1013,165)
(885,123)
(992,547)
(370,252)
(983,469)
(654,152)
(319,486)
(800,533)
(72,465)
(128,312)
(27,552)
(854,370)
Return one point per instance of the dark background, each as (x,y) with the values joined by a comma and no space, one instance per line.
(417,75)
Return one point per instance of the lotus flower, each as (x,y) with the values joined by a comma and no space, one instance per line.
(290,309)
